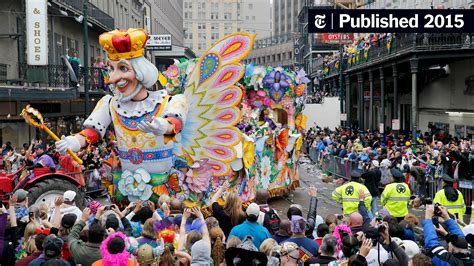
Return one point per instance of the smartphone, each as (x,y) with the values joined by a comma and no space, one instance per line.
(107,208)
(457,216)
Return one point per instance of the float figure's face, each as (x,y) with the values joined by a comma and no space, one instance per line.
(122,77)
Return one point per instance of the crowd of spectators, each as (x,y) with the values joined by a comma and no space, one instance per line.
(164,231)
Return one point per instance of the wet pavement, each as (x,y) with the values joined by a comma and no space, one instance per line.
(311,175)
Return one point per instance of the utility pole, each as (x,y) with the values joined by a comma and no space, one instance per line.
(86,57)
(341,92)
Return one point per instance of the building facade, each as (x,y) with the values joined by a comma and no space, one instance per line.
(205,22)
(49,88)
(285,16)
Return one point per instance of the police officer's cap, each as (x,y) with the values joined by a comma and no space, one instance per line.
(356,174)
(447,178)
(397,174)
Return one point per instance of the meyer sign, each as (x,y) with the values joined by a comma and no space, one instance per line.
(159,42)
(37,32)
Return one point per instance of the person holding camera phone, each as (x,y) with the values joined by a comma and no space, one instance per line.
(457,252)
(450,198)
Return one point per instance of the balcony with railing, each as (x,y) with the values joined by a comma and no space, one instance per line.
(397,45)
(96,16)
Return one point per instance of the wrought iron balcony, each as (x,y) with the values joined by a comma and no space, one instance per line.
(96,16)
(396,45)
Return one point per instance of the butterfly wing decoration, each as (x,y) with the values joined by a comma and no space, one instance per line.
(213,100)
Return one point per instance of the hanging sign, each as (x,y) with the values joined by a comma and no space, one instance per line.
(37,32)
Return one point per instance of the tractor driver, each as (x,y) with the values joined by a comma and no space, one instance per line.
(41,158)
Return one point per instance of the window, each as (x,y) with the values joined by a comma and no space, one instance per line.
(227,15)
(214,26)
(201,26)
(247,18)
(250,6)
(202,15)
(215,6)
(214,36)
(201,36)
(214,15)
(253,18)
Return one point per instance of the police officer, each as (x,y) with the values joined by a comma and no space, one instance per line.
(396,195)
(450,198)
(348,194)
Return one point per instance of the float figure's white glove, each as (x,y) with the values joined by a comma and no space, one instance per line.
(159,126)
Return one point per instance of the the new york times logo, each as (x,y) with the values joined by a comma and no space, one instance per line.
(320,21)
(395,20)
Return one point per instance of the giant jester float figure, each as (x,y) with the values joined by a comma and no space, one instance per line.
(158,135)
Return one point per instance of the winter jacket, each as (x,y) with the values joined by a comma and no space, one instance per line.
(439,254)
(452,199)
(8,241)
(464,166)
(313,205)
(372,180)
(84,253)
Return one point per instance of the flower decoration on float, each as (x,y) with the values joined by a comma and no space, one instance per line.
(198,176)
(277,80)
(135,185)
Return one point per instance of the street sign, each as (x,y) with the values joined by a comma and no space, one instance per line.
(337,38)
(37,32)
(160,42)
(395,124)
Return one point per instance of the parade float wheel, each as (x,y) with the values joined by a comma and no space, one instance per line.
(47,190)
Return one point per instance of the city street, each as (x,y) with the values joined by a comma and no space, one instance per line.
(311,175)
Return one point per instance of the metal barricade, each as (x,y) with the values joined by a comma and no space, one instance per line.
(466,188)
(339,167)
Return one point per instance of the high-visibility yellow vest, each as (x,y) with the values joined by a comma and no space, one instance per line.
(348,194)
(453,207)
(395,199)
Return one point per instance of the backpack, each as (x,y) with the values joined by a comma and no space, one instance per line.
(271,221)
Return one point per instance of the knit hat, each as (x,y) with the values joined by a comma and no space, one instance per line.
(68,220)
(201,253)
(295,224)
(112,222)
(21,194)
(145,254)
(457,241)
(246,253)
(248,244)
(52,246)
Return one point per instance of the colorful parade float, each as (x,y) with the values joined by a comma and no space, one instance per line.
(270,127)
(217,120)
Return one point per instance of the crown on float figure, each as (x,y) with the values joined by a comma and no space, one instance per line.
(124,44)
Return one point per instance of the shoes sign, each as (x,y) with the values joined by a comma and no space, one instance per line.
(390,20)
